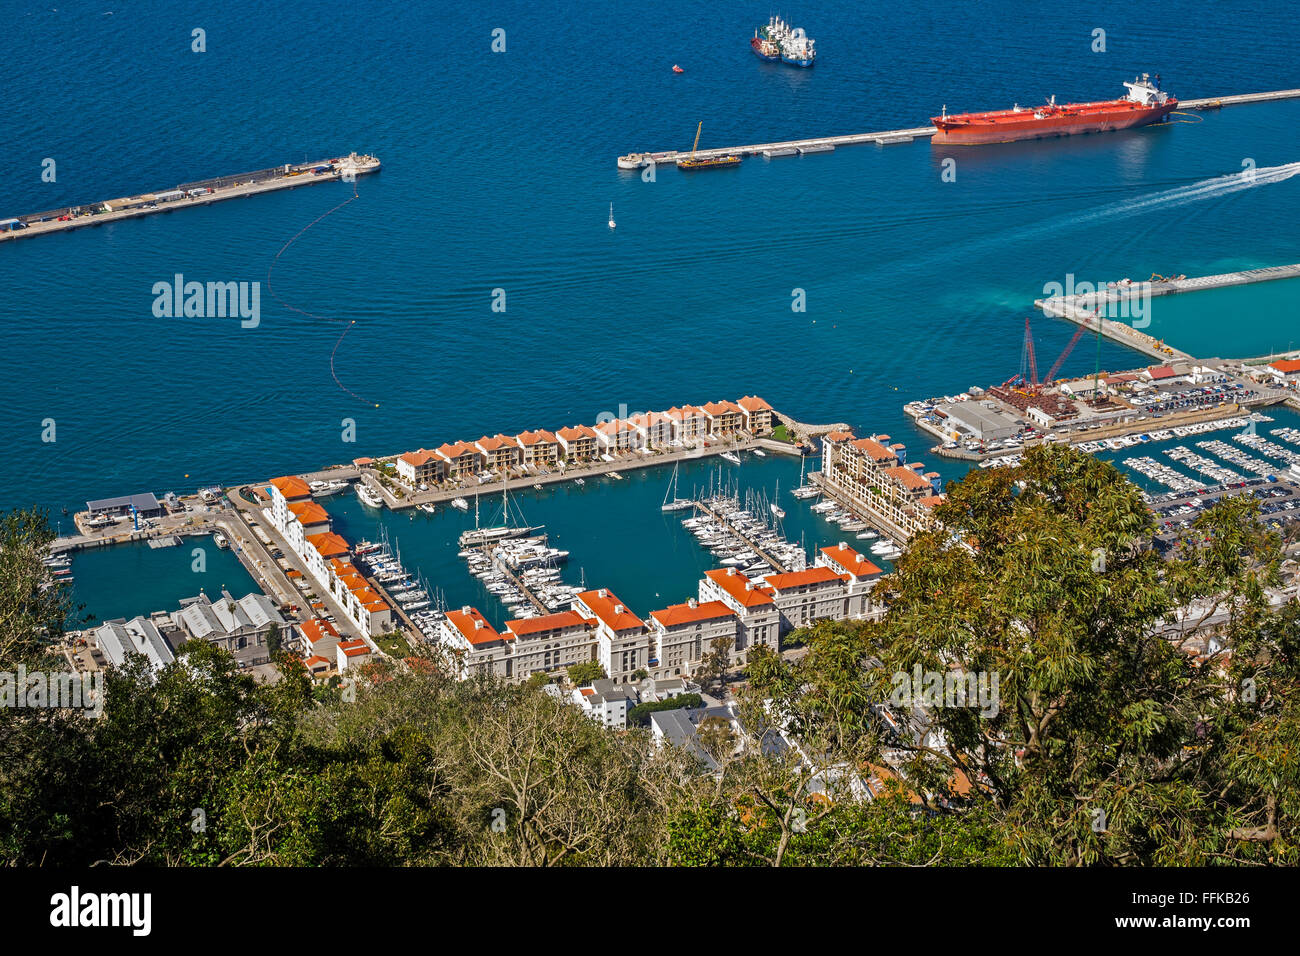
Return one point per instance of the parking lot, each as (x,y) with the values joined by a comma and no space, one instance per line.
(1279,503)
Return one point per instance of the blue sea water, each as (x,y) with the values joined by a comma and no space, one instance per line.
(498,172)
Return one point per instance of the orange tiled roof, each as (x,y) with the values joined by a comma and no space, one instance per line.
(291,486)
(607,608)
(522,627)
(419,458)
(308,512)
(839,436)
(721,408)
(752,403)
(819,574)
(496,442)
(851,560)
(354,648)
(317,629)
(539,437)
(875,450)
(328,544)
(908,478)
(1286,366)
(677,614)
(736,585)
(930,501)
(574,432)
(473,626)
(458,449)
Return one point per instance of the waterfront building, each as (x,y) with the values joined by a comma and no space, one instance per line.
(758,417)
(145,505)
(682,634)
(692,422)
(1285,371)
(623,644)
(421,467)
(116,640)
(658,428)
(292,488)
(476,647)
(579,442)
(725,418)
(541,449)
(462,459)
(814,594)
(240,627)
(757,616)
(619,436)
(870,478)
(360,602)
(550,642)
(500,452)
(312,517)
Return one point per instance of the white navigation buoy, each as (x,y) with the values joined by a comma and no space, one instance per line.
(611,216)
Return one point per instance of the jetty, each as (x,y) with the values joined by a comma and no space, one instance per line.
(1083,308)
(826,144)
(186,195)
(777,565)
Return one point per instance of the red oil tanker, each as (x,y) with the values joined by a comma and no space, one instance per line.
(1145,104)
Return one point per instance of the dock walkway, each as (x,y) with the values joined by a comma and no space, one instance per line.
(777,565)
(825,144)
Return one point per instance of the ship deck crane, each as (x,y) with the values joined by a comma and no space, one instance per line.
(696,144)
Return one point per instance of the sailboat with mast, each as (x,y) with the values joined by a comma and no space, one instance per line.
(478,536)
(804,490)
(777,510)
(671,501)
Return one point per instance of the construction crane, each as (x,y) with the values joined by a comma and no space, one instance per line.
(1051,373)
(696,144)
(1026,381)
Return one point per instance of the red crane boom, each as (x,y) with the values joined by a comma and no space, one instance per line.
(1051,374)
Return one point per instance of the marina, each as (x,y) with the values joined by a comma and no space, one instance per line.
(825,144)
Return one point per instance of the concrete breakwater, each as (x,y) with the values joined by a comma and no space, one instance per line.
(202,193)
(825,144)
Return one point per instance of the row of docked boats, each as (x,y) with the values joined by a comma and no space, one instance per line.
(741,535)
(59,567)
(384,564)
(847,521)
(512,570)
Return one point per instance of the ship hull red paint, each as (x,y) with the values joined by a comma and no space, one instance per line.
(1009,126)
(756,45)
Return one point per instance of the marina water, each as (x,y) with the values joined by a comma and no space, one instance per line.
(498,174)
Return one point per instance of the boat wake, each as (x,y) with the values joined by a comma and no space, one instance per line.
(1193,192)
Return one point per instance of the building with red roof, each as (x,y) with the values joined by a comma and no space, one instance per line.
(551,642)
(292,487)
(725,418)
(758,619)
(758,417)
(579,442)
(462,458)
(501,452)
(421,467)
(476,646)
(623,644)
(1286,371)
(682,634)
(541,449)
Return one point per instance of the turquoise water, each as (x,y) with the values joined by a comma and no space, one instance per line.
(129,579)
(498,172)
(1235,322)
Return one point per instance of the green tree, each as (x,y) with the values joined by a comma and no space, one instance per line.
(586,672)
